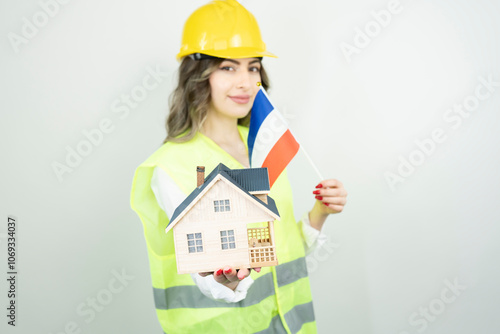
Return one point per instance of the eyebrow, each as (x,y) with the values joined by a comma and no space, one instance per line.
(238,63)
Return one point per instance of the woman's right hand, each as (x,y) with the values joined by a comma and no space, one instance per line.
(228,276)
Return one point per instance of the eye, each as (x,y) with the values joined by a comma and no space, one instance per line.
(255,69)
(226,68)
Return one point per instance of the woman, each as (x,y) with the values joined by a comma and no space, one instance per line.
(221,66)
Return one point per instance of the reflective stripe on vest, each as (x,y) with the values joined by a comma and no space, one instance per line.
(299,315)
(295,318)
(175,297)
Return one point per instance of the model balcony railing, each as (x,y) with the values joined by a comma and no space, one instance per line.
(263,256)
(258,236)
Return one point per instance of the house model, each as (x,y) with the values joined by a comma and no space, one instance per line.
(227,220)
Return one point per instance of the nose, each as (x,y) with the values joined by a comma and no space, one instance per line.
(243,79)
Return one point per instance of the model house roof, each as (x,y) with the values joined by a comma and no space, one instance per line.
(250,179)
(247,180)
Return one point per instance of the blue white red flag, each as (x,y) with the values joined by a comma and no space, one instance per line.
(270,142)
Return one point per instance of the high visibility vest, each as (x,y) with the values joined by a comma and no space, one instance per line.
(279,301)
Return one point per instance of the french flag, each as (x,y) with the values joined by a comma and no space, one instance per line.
(270,142)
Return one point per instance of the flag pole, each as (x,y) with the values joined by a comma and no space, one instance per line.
(311,162)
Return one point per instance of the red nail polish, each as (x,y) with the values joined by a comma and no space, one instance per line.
(219,272)
(326,204)
(319,186)
(316,192)
(319,198)
(228,271)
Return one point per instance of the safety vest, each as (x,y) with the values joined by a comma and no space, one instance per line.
(279,301)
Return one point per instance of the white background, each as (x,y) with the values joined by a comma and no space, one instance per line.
(357,116)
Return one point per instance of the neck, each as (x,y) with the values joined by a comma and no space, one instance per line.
(222,130)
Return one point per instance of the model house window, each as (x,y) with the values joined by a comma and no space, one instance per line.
(195,243)
(222,205)
(227,239)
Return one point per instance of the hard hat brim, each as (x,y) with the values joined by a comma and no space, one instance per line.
(234,53)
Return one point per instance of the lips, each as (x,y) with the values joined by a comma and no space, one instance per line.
(240,99)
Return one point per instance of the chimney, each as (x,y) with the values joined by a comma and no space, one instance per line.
(200,175)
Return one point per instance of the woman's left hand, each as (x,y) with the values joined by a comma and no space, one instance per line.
(332,195)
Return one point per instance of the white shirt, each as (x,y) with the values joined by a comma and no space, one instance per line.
(169,196)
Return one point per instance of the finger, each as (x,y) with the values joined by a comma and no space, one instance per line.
(219,276)
(332,200)
(242,273)
(206,273)
(331,192)
(230,274)
(334,207)
(330,183)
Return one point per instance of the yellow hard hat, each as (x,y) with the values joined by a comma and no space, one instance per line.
(224,29)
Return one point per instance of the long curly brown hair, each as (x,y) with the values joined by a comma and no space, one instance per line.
(189,102)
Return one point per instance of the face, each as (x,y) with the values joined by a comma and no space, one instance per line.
(233,87)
